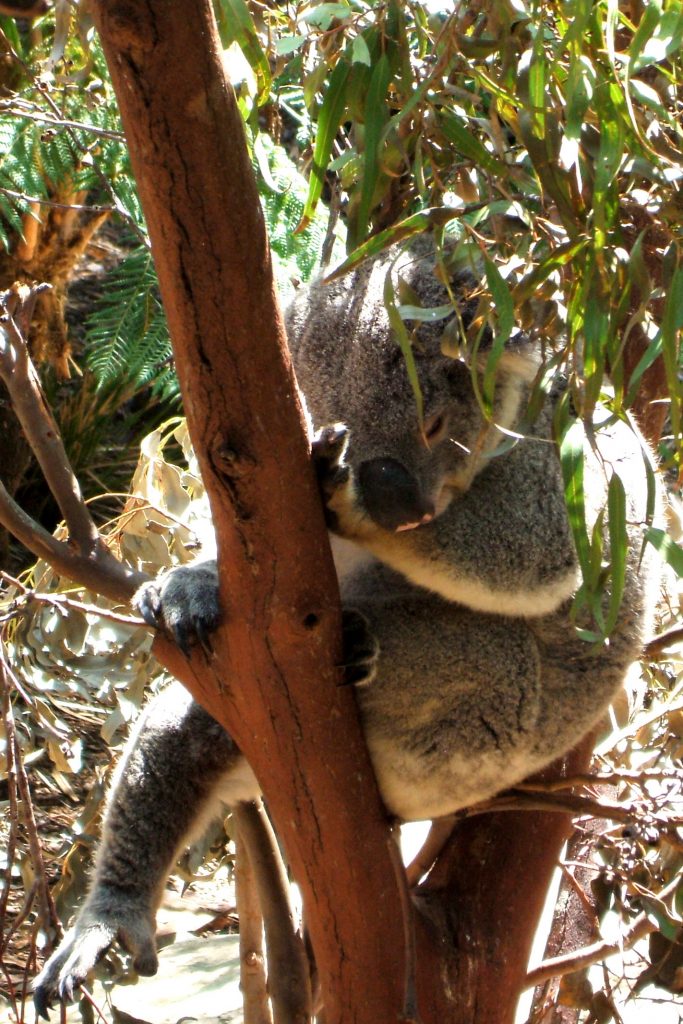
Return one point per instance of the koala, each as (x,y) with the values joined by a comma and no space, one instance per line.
(457,571)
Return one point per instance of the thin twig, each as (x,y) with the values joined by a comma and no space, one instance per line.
(607,778)
(105,576)
(37,422)
(13,822)
(104,180)
(588,955)
(80,149)
(659,644)
(252,962)
(60,122)
(48,907)
(572,803)
(57,206)
(28,595)
(22,913)
(288,975)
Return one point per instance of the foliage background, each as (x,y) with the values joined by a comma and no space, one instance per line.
(543,140)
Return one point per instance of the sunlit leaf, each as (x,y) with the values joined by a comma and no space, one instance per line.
(671,552)
(403,340)
(236,25)
(502,300)
(571,460)
(467,144)
(618,539)
(331,112)
(376,116)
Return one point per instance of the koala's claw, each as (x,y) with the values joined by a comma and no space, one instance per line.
(148,601)
(328,448)
(42,1004)
(83,947)
(197,628)
(183,602)
(361,649)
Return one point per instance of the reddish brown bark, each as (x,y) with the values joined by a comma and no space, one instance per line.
(486,892)
(272,681)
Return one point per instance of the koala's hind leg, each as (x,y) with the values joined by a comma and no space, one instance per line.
(178,767)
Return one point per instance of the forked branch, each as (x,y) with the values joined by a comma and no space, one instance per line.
(84,558)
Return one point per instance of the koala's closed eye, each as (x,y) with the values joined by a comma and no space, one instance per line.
(435,428)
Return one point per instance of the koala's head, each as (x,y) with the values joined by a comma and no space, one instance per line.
(351,370)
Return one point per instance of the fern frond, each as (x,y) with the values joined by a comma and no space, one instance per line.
(127,347)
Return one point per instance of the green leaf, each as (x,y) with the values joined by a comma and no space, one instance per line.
(670,551)
(288,44)
(559,257)
(467,144)
(571,461)
(666,919)
(413,225)
(579,89)
(646,26)
(360,52)
(236,26)
(652,352)
(609,101)
(403,339)
(536,86)
(502,300)
(428,314)
(376,116)
(322,15)
(331,112)
(618,539)
(672,322)
(664,40)
(595,332)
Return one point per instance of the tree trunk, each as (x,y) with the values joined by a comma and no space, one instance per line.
(272,680)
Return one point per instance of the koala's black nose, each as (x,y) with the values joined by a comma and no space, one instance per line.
(392,495)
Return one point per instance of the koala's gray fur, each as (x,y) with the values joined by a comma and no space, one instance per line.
(463,567)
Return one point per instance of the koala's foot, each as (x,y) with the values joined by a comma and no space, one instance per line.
(183,602)
(109,917)
(361,649)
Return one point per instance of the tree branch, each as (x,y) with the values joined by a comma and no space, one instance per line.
(557,966)
(288,974)
(37,422)
(538,799)
(85,559)
(252,961)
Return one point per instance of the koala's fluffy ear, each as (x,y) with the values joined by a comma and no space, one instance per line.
(521,356)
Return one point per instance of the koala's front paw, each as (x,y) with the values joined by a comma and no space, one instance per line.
(328,448)
(360,647)
(183,602)
(87,942)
